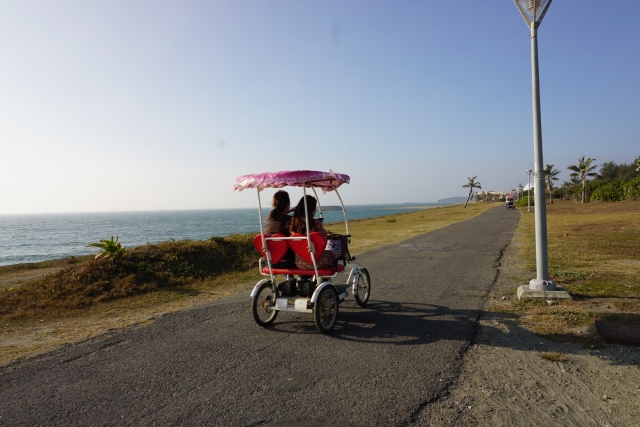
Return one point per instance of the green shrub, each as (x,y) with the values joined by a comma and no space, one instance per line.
(523,202)
(632,190)
(111,249)
(612,191)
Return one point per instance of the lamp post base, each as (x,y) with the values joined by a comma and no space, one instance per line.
(542,285)
(526,292)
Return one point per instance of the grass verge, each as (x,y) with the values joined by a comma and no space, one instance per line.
(594,253)
(44,305)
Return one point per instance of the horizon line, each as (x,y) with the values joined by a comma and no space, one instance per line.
(207,209)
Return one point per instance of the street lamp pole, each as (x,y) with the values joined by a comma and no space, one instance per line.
(533,11)
(529,191)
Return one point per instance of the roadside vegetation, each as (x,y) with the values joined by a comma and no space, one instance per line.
(594,253)
(122,274)
(50,303)
(616,183)
(612,183)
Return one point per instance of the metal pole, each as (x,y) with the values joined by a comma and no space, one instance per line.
(265,248)
(317,200)
(344,212)
(542,281)
(312,249)
(529,192)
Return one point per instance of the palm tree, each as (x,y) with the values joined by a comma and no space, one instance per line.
(550,175)
(568,186)
(575,183)
(471,185)
(583,170)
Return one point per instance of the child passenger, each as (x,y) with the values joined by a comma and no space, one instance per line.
(299,225)
(278,220)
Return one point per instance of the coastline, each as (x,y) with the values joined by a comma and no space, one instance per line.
(43,237)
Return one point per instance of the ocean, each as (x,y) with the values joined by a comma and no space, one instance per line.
(40,237)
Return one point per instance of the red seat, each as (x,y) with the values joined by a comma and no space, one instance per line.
(277,248)
(330,271)
(301,248)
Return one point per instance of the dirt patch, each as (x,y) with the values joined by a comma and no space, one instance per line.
(18,274)
(17,278)
(508,380)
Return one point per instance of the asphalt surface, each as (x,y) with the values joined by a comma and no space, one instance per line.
(212,365)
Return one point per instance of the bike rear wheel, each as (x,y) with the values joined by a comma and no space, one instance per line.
(261,304)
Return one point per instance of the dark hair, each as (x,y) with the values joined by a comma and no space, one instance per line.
(298,223)
(280,203)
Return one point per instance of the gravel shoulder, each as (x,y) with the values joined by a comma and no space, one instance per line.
(504,380)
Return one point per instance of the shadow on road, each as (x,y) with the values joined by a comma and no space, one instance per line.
(390,323)
(410,324)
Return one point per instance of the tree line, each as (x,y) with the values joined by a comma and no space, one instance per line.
(613,183)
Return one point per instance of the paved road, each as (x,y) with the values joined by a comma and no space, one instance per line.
(213,365)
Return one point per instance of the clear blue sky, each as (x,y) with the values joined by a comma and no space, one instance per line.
(144,105)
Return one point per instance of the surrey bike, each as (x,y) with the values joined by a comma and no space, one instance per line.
(315,291)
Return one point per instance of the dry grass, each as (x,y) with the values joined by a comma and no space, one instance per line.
(38,330)
(594,249)
(553,357)
(145,269)
(594,253)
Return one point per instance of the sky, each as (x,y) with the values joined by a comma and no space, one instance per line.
(159,105)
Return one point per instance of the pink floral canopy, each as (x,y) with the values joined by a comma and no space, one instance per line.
(327,181)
